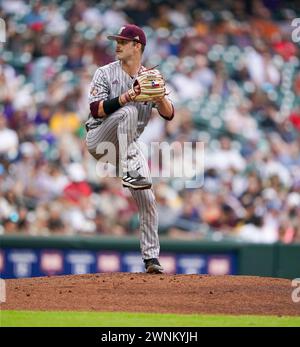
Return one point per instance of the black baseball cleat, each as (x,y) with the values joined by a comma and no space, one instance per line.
(133,179)
(153,266)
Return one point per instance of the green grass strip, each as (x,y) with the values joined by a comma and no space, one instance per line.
(124,319)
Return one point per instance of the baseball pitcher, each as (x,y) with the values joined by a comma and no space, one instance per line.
(121,98)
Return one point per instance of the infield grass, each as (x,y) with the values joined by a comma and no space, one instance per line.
(123,319)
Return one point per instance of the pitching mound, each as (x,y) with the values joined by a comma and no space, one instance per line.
(153,293)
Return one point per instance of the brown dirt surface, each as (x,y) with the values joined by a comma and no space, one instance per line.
(138,292)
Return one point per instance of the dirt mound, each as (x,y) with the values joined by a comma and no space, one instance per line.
(138,292)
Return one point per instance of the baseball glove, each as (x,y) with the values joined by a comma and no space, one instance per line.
(152,86)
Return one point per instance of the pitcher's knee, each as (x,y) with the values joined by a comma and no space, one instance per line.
(91,146)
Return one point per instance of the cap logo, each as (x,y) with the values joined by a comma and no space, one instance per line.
(120,31)
(137,38)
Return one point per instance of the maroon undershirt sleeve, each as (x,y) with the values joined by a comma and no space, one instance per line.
(94,107)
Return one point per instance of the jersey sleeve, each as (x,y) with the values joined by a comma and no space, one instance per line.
(99,89)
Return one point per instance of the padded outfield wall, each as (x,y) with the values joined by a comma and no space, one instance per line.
(29,256)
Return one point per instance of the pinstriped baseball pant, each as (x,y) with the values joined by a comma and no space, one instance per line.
(120,129)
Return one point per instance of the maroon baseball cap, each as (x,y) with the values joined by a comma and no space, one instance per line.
(130,32)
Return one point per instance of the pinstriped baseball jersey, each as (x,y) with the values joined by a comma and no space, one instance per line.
(109,82)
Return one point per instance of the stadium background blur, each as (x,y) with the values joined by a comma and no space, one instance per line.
(233,72)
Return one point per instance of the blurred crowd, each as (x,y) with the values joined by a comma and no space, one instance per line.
(232,70)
